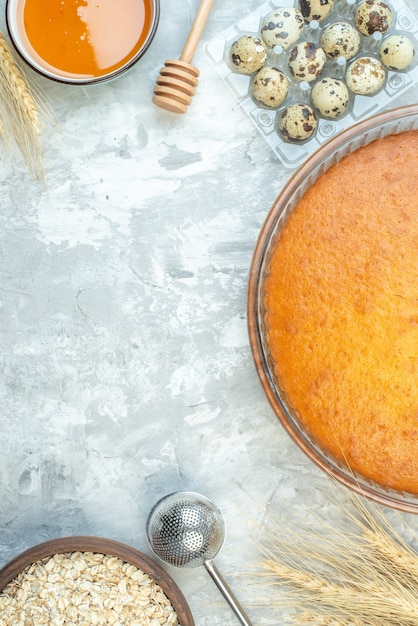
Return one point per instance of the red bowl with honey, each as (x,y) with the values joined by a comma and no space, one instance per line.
(81,41)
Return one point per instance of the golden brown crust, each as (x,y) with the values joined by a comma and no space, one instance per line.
(342,310)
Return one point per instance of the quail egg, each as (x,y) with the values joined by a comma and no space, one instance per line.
(269,87)
(330,97)
(365,76)
(298,122)
(373,16)
(397,52)
(282,27)
(248,54)
(306,61)
(340,39)
(316,9)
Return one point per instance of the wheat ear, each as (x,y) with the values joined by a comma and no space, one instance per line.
(307,617)
(395,553)
(354,570)
(362,602)
(342,602)
(19,113)
(18,86)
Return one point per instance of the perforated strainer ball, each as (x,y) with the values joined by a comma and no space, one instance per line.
(185,529)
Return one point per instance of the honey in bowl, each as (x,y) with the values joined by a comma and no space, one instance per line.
(81,40)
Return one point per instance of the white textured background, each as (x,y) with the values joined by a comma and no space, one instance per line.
(125,368)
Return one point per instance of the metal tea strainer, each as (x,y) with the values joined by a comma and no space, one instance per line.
(186,529)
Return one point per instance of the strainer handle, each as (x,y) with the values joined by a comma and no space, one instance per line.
(227,593)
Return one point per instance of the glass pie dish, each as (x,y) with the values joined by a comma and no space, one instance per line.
(387,123)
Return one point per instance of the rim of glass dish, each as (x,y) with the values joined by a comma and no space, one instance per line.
(26,57)
(389,122)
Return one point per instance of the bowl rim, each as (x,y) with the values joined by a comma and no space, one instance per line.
(101,545)
(11,5)
(318,162)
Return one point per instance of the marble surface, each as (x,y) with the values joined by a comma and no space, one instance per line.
(126,371)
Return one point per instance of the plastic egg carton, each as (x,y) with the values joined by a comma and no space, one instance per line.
(292,154)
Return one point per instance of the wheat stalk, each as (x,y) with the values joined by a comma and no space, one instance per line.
(16,84)
(356,570)
(394,556)
(389,547)
(20,111)
(365,600)
(307,617)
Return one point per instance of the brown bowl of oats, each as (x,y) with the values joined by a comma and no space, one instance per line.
(89,580)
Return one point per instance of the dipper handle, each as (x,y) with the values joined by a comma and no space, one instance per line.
(196,30)
(177,82)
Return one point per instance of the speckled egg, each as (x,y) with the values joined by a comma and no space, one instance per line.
(373,16)
(315,9)
(269,87)
(330,97)
(340,39)
(397,52)
(248,54)
(298,122)
(306,61)
(365,76)
(282,27)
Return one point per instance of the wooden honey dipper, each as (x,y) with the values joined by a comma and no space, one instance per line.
(177,81)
